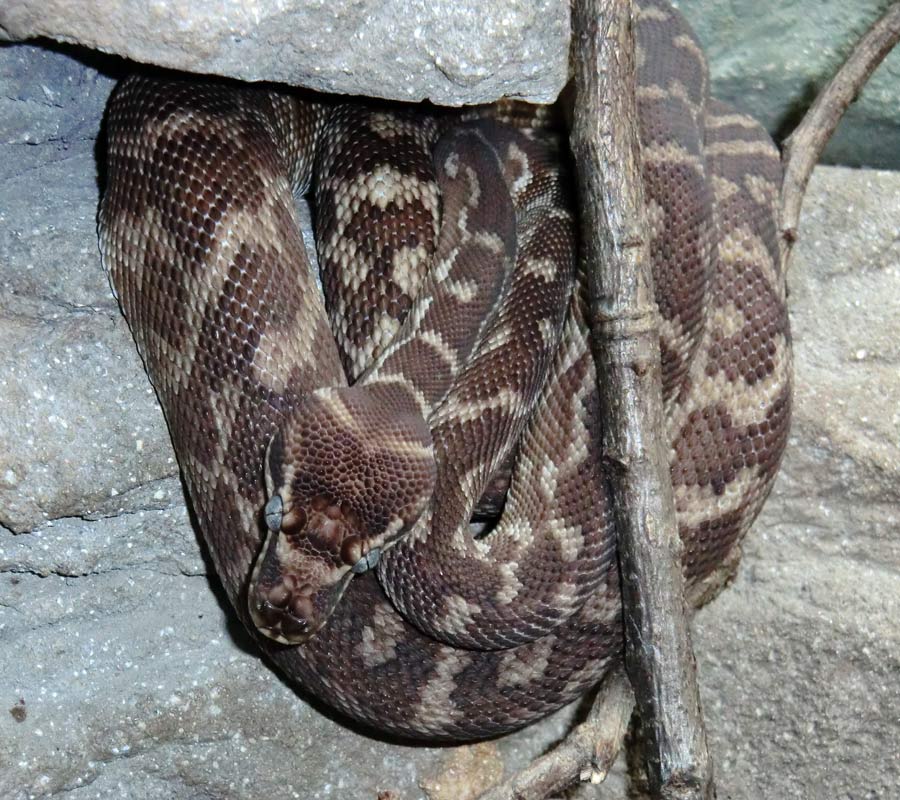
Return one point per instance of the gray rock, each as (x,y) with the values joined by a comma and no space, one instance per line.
(122,672)
(770,59)
(448,52)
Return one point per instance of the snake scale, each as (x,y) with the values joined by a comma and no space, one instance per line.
(339,437)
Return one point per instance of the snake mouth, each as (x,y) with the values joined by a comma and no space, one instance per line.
(291,612)
(280,624)
(291,598)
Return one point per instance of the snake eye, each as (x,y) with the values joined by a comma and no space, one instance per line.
(274,512)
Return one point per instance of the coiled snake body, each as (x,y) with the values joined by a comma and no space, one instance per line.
(337,442)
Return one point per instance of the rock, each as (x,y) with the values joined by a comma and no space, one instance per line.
(771,58)
(122,671)
(448,52)
(768,58)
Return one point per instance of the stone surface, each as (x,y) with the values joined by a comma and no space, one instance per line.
(450,52)
(767,57)
(122,674)
(770,58)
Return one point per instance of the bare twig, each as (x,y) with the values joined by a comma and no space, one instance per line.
(624,322)
(804,146)
(587,753)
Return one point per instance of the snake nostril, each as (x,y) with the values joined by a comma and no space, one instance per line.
(291,627)
(284,622)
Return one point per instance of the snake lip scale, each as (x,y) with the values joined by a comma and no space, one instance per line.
(339,426)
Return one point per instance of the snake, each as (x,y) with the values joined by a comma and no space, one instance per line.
(393,446)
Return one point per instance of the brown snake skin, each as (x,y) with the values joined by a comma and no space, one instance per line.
(336,442)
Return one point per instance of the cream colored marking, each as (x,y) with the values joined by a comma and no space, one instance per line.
(489,241)
(669,330)
(723,189)
(576,345)
(390,126)
(738,147)
(726,319)
(407,267)
(511,586)
(680,92)
(762,190)
(569,538)
(462,222)
(463,290)
(505,399)
(518,156)
(372,651)
(417,395)
(444,351)
(640,56)
(686,43)
(345,416)
(472,179)
(385,364)
(384,185)
(576,452)
(521,665)
(656,218)
(590,670)
(451,165)
(653,13)
(544,268)
(742,245)
(652,91)
(380,639)
(458,614)
(549,332)
(745,405)
(671,153)
(734,120)
(695,505)
(565,599)
(500,336)
(435,700)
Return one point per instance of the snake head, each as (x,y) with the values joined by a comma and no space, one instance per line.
(347,474)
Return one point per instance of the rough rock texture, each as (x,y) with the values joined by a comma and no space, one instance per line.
(123,675)
(450,52)
(769,57)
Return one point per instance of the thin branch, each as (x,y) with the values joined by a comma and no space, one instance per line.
(804,146)
(586,754)
(625,328)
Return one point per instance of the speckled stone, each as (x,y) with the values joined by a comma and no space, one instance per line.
(450,52)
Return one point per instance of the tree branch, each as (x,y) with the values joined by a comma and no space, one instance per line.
(625,327)
(804,146)
(625,341)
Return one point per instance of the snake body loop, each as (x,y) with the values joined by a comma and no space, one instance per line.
(338,442)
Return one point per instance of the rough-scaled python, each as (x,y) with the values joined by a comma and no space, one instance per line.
(336,442)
